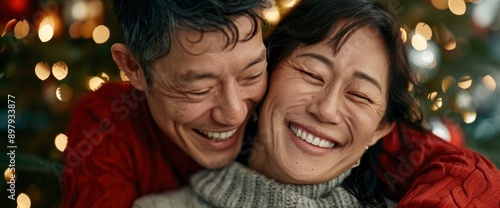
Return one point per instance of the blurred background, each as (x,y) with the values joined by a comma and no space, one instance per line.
(60,50)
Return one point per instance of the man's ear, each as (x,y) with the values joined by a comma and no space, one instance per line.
(127,63)
(382,130)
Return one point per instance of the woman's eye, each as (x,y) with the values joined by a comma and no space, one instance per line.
(313,76)
(362,97)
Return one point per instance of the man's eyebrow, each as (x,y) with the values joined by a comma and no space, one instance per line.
(260,58)
(193,75)
(320,58)
(364,76)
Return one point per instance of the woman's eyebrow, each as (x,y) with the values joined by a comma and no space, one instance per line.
(320,58)
(364,76)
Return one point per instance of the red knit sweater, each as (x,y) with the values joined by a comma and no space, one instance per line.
(116,153)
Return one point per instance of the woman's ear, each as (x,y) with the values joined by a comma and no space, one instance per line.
(382,130)
(127,63)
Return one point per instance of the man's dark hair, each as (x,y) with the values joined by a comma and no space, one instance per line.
(149,26)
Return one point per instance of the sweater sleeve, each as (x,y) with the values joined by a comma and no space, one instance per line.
(98,159)
(430,172)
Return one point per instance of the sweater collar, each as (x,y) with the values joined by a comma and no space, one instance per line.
(238,186)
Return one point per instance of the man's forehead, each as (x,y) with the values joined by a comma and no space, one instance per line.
(197,40)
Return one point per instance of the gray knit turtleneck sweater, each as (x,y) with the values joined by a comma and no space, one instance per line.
(238,186)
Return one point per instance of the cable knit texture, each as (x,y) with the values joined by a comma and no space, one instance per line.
(436,173)
(238,186)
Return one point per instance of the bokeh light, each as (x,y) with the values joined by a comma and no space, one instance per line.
(23,201)
(404,35)
(457,7)
(447,82)
(8,173)
(64,93)
(123,76)
(79,10)
(22,29)
(100,34)
(42,70)
(465,82)
(272,15)
(490,83)
(432,95)
(46,32)
(60,70)
(469,116)
(94,83)
(61,141)
(440,4)
(424,30)
(34,192)
(419,42)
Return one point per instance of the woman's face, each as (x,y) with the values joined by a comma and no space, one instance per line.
(323,110)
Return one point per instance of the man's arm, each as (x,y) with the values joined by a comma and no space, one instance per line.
(429,172)
(99,168)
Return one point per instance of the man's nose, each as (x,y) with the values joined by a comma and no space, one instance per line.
(231,109)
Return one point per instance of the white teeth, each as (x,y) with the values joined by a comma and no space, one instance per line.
(311,139)
(218,136)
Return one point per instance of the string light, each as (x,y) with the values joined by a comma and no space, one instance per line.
(42,70)
(465,82)
(23,201)
(61,141)
(22,29)
(60,70)
(100,34)
(457,7)
(490,83)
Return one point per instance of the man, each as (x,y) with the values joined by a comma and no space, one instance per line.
(192,88)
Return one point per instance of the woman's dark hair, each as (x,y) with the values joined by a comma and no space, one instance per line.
(313,21)
(149,27)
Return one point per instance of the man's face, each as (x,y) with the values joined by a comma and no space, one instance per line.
(204,91)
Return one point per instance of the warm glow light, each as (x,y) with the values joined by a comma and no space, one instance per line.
(87,29)
(447,82)
(272,15)
(490,83)
(46,32)
(23,201)
(105,76)
(42,70)
(457,7)
(94,9)
(34,192)
(424,30)
(404,35)
(437,104)
(79,10)
(419,42)
(123,76)
(465,82)
(61,141)
(469,117)
(75,30)
(100,34)
(432,95)
(289,3)
(8,173)
(21,29)
(440,4)
(60,70)
(450,45)
(94,83)
(64,93)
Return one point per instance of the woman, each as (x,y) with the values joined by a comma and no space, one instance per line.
(338,84)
